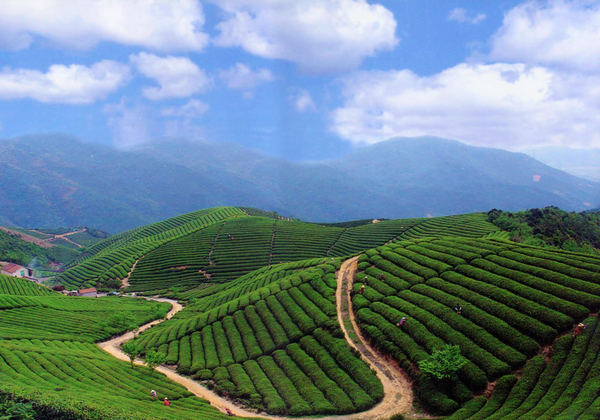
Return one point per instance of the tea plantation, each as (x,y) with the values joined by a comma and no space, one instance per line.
(260,325)
(191,250)
(48,355)
(514,299)
(272,340)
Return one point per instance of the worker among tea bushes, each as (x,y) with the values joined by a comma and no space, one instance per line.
(458,309)
(402,321)
(580,327)
(167,403)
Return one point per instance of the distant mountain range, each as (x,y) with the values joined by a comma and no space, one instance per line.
(55,180)
(584,163)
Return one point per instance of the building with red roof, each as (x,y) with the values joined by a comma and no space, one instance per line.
(15,270)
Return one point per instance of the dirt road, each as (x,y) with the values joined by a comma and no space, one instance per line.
(397,387)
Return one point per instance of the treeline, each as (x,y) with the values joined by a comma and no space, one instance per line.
(15,250)
(552,227)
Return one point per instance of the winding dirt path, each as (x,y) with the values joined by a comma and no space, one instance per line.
(114,348)
(397,387)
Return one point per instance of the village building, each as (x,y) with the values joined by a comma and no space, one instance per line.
(90,292)
(15,270)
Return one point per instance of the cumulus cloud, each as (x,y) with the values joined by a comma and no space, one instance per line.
(302,101)
(555,32)
(318,35)
(74,84)
(193,109)
(461,15)
(497,105)
(178,77)
(241,76)
(163,25)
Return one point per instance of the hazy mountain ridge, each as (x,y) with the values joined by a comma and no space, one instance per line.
(584,163)
(63,181)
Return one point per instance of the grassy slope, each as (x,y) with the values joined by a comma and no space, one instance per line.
(48,356)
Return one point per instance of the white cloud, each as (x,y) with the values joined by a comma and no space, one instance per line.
(193,109)
(241,76)
(461,15)
(178,77)
(303,101)
(498,105)
(555,32)
(74,84)
(163,25)
(318,35)
(130,126)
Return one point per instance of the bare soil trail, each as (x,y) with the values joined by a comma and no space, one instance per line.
(397,387)
(113,347)
(28,238)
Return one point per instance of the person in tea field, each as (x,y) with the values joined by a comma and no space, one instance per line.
(401,323)
(153,394)
(580,327)
(366,280)
(167,403)
(458,309)
(362,289)
(229,413)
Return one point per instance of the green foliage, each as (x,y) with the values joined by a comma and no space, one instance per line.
(444,363)
(153,360)
(552,227)
(131,350)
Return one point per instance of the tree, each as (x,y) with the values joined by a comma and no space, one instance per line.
(444,363)
(154,359)
(131,350)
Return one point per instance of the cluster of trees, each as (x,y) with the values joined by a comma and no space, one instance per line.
(14,249)
(552,227)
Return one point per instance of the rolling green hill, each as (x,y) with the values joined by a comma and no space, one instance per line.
(205,247)
(261,322)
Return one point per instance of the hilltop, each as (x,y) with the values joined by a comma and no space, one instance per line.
(65,182)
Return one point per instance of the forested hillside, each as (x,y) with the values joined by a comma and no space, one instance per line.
(64,182)
(552,227)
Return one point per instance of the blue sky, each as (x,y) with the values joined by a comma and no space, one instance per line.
(304,80)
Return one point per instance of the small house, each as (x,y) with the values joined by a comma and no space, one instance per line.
(90,292)
(15,270)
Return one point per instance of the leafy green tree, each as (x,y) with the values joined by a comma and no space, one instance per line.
(154,359)
(131,350)
(120,320)
(444,363)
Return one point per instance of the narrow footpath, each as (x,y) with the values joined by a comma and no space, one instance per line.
(396,385)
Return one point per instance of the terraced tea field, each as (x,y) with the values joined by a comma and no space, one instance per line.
(203,247)
(48,355)
(264,298)
(514,300)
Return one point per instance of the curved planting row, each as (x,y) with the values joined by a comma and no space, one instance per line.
(564,388)
(47,356)
(16,286)
(276,346)
(114,262)
(512,302)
